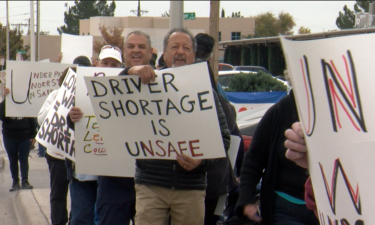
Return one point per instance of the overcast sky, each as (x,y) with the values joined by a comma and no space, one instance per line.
(319,16)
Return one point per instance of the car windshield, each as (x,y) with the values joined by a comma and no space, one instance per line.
(224,80)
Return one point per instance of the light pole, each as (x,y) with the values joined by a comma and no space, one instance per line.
(176,19)
(7,34)
(32,33)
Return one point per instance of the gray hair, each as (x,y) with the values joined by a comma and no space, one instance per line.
(180,30)
(139,32)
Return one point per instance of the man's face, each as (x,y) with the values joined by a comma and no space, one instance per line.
(137,51)
(179,50)
(109,62)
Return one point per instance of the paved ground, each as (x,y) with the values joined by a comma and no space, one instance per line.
(25,206)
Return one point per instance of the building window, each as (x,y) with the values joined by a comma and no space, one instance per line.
(219,35)
(236,36)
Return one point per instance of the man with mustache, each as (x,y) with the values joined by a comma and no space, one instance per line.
(173,187)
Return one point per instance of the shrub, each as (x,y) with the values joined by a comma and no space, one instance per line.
(259,82)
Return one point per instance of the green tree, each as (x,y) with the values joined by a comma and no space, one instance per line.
(85,10)
(222,13)
(345,20)
(259,82)
(304,30)
(15,43)
(236,15)
(267,24)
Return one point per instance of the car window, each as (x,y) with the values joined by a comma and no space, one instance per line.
(224,80)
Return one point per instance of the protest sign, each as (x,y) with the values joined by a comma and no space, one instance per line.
(73,46)
(54,132)
(91,149)
(174,114)
(333,85)
(29,84)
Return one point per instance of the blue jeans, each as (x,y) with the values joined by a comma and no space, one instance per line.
(41,150)
(83,198)
(288,213)
(18,150)
(116,200)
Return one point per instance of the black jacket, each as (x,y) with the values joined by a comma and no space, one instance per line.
(264,154)
(169,173)
(17,127)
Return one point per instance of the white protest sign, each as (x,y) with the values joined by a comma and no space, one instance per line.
(30,83)
(91,149)
(73,46)
(175,114)
(333,82)
(54,132)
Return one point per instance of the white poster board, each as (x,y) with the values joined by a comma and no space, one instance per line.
(73,46)
(30,83)
(333,81)
(91,149)
(54,132)
(175,114)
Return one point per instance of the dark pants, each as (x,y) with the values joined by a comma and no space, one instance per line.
(18,150)
(59,190)
(209,214)
(82,197)
(116,200)
(288,213)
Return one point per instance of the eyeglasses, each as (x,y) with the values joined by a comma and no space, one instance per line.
(111,46)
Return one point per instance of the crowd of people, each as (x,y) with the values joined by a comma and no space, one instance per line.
(181,191)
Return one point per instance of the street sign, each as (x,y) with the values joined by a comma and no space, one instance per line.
(21,52)
(189,16)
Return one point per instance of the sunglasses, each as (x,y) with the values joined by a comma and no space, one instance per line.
(111,46)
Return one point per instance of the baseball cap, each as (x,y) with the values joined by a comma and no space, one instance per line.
(110,53)
(82,61)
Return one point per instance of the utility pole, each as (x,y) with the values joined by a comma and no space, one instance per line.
(32,33)
(139,12)
(38,31)
(214,32)
(176,19)
(7,34)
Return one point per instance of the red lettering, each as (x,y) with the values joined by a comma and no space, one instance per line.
(192,148)
(171,149)
(157,143)
(179,146)
(150,150)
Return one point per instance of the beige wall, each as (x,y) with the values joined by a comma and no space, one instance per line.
(50,46)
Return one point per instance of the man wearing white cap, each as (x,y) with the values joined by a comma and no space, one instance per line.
(83,188)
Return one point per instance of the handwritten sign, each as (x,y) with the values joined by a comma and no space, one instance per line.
(91,149)
(54,132)
(175,114)
(73,46)
(333,81)
(30,83)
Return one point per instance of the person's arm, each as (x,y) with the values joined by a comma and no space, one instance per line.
(47,105)
(255,161)
(145,72)
(2,104)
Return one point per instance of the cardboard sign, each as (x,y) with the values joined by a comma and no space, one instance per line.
(54,133)
(91,148)
(333,81)
(30,83)
(175,114)
(73,46)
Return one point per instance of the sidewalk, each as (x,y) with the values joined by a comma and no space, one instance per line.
(32,206)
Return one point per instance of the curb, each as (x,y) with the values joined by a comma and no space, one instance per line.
(28,210)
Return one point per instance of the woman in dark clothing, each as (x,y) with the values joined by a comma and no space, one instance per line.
(18,133)
(282,190)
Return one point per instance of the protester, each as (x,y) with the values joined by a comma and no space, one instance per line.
(221,177)
(18,133)
(168,187)
(115,202)
(83,188)
(282,190)
(59,183)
